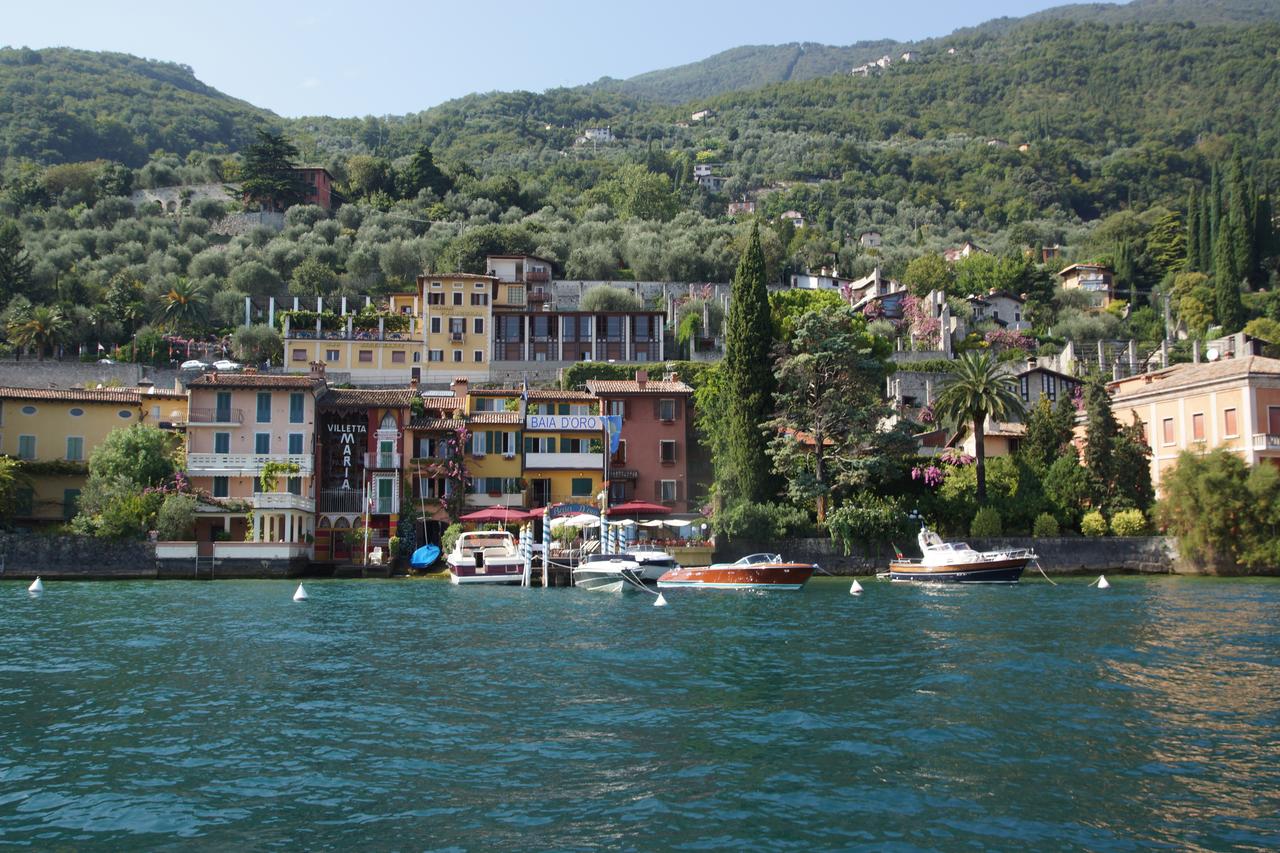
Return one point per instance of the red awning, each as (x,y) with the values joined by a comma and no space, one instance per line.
(639,508)
(498,514)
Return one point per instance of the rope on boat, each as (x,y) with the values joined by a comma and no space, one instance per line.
(1036,562)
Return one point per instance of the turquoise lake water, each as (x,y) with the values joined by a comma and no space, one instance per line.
(414,715)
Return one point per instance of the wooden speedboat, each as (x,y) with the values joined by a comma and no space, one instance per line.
(956,562)
(754,571)
(485,556)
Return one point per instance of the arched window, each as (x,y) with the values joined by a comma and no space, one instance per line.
(388,422)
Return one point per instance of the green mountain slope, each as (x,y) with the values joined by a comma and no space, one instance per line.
(59,105)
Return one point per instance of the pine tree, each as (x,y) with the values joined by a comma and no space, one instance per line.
(1206,236)
(1101,430)
(267,174)
(1049,433)
(749,382)
(15,263)
(1239,221)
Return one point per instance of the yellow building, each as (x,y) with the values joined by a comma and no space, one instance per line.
(457,315)
(384,348)
(57,429)
(1232,403)
(563,447)
(1094,279)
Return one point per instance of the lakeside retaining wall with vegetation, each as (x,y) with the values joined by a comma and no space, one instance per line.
(66,557)
(1061,555)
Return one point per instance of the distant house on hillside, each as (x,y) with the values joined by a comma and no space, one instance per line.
(964,250)
(884,61)
(870,239)
(795,217)
(742,208)
(1095,279)
(704,175)
(597,134)
(317,189)
(862,70)
(910,56)
(702,115)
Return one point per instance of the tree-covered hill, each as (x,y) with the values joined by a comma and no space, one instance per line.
(63,105)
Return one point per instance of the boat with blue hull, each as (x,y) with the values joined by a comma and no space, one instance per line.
(956,562)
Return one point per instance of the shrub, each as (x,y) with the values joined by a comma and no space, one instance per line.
(176,519)
(1045,526)
(762,521)
(393,546)
(986,522)
(1129,522)
(1093,524)
(868,518)
(449,537)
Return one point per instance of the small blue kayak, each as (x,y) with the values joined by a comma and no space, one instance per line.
(425,557)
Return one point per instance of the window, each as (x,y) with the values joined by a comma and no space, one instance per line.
(457,299)
(435,325)
(515,295)
(125,413)
(435,298)
(540,445)
(26,447)
(297,406)
(1167,423)
(417,357)
(75,448)
(457,355)
(541,327)
(666,490)
(620,458)
(618,408)
(293,485)
(477,325)
(479,298)
(1024,389)
(261,443)
(264,407)
(435,355)
(220,487)
(477,355)
(667,451)
(435,285)
(480,285)
(222,412)
(457,327)
(1197,426)
(667,410)
(28,410)
(222,442)
(76,412)
(366,356)
(331,355)
(1051,387)
(479,443)
(299,355)
(397,356)
(70,503)
(581,487)
(1229,423)
(295,444)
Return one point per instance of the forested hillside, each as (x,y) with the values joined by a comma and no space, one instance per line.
(60,105)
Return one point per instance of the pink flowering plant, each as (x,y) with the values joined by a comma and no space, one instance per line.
(920,322)
(1008,339)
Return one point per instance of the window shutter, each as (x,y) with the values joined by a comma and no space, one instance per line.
(657,410)
(677,407)
(679,490)
(657,490)
(551,445)
(675,451)
(488,441)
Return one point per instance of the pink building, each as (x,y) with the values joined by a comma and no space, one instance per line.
(652,459)
(237,423)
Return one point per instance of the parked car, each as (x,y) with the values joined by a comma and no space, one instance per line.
(226,364)
(105,361)
(194,364)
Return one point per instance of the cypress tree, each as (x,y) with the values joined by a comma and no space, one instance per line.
(1194,262)
(15,263)
(1239,221)
(1206,236)
(749,382)
(1101,430)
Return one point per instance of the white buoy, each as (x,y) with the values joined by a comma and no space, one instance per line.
(300,594)
(659,601)
(37,587)
(856,589)
(1102,582)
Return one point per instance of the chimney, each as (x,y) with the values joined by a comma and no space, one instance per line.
(1195,352)
(642,377)
(672,377)
(459,386)
(413,383)
(317,370)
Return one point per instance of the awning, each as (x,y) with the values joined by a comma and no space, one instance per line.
(639,508)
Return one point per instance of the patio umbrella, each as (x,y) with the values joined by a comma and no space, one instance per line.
(639,508)
(657,522)
(677,523)
(583,520)
(495,513)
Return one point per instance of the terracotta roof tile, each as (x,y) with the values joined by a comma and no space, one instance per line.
(436,423)
(78,395)
(369,397)
(1185,375)
(255,380)
(494,418)
(630,386)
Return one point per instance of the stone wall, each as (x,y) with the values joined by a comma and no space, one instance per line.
(60,557)
(30,373)
(1062,555)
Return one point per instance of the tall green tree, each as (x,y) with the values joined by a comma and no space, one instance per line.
(1195,260)
(41,329)
(744,472)
(979,388)
(142,454)
(829,399)
(267,174)
(1117,458)
(1050,429)
(15,263)
(422,173)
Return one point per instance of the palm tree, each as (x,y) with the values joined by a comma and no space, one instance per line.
(977,390)
(185,305)
(40,328)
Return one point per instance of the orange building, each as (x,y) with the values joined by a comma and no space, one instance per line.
(1233,403)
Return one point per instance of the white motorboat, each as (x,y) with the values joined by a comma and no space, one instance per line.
(654,562)
(956,562)
(485,556)
(607,573)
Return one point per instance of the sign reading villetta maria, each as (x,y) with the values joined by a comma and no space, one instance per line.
(345,439)
(583,423)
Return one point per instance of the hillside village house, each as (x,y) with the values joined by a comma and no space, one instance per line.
(1232,403)
(962,251)
(1096,280)
(870,239)
(57,430)
(1000,307)
(385,347)
(742,208)
(795,217)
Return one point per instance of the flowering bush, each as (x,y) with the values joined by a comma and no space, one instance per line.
(932,475)
(927,415)
(955,458)
(873,310)
(920,322)
(1007,339)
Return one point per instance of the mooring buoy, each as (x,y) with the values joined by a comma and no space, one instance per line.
(37,586)
(300,594)
(659,601)
(855,589)
(1102,582)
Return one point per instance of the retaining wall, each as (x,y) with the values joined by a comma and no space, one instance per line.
(1062,555)
(31,373)
(64,557)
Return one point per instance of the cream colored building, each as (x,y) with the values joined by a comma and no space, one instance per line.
(457,310)
(1232,403)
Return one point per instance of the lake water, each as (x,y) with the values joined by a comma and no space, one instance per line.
(415,715)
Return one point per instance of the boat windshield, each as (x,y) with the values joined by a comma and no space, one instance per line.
(760,558)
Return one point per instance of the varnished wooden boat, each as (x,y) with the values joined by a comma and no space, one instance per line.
(755,571)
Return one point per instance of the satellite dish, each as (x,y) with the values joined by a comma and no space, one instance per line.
(1212,354)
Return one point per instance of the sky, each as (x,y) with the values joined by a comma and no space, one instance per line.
(383,57)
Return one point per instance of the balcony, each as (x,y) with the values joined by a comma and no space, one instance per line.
(214,417)
(576,461)
(342,500)
(283,500)
(537,275)
(243,464)
(382,461)
(513,500)
(1266,441)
